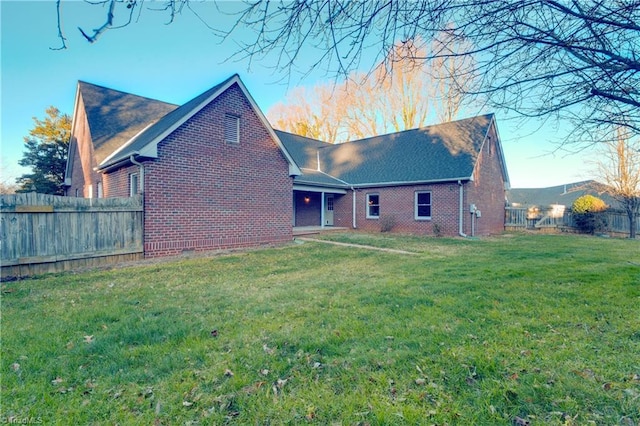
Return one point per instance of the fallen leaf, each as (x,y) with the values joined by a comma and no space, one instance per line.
(187,404)
(606,386)
(228,373)
(253,388)
(214,333)
(281,382)
(15,366)
(57,381)
(519,421)
(420,381)
(264,372)
(88,339)
(267,349)
(585,374)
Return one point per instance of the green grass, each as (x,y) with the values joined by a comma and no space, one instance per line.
(544,328)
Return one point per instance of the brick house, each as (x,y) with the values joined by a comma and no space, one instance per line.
(214,174)
(447,179)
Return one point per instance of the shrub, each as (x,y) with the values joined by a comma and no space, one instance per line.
(586,213)
(588,204)
(387,223)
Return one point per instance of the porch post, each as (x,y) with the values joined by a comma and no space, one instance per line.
(322,209)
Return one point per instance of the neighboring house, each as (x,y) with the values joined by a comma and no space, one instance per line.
(214,174)
(560,195)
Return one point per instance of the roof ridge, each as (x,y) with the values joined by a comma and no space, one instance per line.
(125,93)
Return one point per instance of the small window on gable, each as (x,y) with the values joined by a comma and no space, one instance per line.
(231,128)
(423,205)
(134,184)
(373,206)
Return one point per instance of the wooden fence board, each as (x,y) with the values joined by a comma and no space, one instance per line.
(46,229)
(520,218)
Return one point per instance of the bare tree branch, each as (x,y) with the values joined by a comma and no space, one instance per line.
(61,36)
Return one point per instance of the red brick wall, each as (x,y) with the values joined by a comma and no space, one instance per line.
(82,174)
(203,193)
(116,184)
(398,203)
(487,191)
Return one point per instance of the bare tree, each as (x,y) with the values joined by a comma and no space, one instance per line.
(618,165)
(574,59)
(318,112)
(399,94)
(6,185)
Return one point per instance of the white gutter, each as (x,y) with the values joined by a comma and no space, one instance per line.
(133,160)
(353,209)
(461,217)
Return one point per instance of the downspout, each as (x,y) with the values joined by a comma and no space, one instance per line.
(133,160)
(353,209)
(461,215)
(322,216)
(142,192)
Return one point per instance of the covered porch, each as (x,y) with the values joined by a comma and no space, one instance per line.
(315,208)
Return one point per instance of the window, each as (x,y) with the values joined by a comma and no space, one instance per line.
(423,205)
(100,194)
(373,206)
(231,128)
(134,185)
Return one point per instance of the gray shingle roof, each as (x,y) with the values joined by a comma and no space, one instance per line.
(436,153)
(115,117)
(560,194)
(163,125)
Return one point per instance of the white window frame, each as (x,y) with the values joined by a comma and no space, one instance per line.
(100,194)
(134,184)
(369,204)
(228,136)
(416,206)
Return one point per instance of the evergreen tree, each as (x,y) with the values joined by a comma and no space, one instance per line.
(46,153)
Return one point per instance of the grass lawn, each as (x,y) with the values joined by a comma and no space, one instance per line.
(504,330)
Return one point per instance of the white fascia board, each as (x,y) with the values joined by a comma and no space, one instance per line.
(309,188)
(407,183)
(126,144)
(294,170)
(503,161)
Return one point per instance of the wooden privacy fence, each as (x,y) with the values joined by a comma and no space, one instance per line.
(47,233)
(557,217)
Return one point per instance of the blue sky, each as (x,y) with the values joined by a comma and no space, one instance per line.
(175,63)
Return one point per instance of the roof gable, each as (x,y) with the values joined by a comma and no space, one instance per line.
(442,152)
(115,117)
(146,143)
